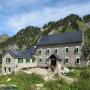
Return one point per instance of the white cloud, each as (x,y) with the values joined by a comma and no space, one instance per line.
(38,18)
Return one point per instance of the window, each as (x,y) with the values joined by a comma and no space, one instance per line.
(55,51)
(47,60)
(76,50)
(5,69)
(27,60)
(9,69)
(77,60)
(8,60)
(20,60)
(66,60)
(39,52)
(66,49)
(47,51)
(40,60)
(33,60)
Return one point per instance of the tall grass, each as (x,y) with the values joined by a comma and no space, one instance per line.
(82,82)
(28,82)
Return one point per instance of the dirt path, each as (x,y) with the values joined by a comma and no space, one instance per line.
(48,75)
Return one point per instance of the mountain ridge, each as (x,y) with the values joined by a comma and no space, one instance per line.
(28,37)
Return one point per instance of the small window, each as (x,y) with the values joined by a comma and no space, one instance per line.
(27,60)
(20,60)
(66,60)
(39,52)
(5,69)
(66,49)
(40,60)
(8,60)
(47,61)
(9,69)
(55,51)
(33,60)
(77,50)
(78,60)
(47,51)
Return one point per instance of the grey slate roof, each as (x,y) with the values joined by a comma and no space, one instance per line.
(67,37)
(23,54)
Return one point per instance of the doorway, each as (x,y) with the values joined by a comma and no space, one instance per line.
(53,62)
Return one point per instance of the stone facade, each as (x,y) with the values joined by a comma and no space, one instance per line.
(14,66)
(69,54)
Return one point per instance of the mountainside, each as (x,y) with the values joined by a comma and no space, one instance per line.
(25,38)
(29,36)
(70,23)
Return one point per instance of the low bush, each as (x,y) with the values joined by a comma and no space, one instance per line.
(22,80)
(81,84)
(59,84)
(85,74)
(74,74)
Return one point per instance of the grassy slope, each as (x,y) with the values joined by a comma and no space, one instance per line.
(22,80)
(27,82)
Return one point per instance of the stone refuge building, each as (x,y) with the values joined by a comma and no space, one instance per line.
(52,51)
(14,60)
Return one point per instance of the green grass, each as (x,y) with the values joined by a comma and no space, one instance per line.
(28,82)
(74,74)
(22,80)
(77,71)
(58,84)
(82,83)
(82,25)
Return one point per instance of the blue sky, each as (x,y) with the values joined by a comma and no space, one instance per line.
(17,14)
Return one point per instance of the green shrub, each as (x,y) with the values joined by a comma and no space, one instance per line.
(22,80)
(73,74)
(35,79)
(85,74)
(81,84)
(59,84)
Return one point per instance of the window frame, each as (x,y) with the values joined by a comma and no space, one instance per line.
(77,50)
(19,60)
(78,58)
(66,60)
(8,60)
(33,60)
(47,51)
(40,52)
(56,51)
(47,60)
(66,49)
(5,69)
(40,60)
(27,60)
(9,69)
